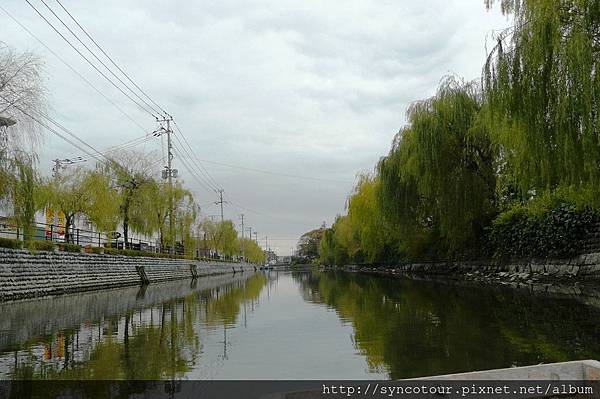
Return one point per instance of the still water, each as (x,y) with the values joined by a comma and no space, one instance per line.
(291,325)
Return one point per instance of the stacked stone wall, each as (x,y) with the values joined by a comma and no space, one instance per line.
(25,274)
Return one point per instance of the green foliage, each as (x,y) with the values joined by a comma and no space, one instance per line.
(228,243)
(253,252)
(549,226)
(111,251)
(23,198)
(308,244)
(10,243)
(103,201)
(542,92)
(439,177)
(69,247)
(221,237)
(41,245)
(98,250)
(77,192)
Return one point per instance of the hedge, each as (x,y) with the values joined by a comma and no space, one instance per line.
(69,247)
(10,243)
(551,230)
(41,245)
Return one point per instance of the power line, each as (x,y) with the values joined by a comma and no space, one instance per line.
(204,178)
(70,133)
(193,173)
(109,58)
(72,68)
(197,160)
(96,57)
(128,144)
(277,173)
(88,61)
(57,133)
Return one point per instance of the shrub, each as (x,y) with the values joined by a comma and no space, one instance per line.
(10,243)
(98,250)
(541,229)
(42,245)
(70,247)
(111,251)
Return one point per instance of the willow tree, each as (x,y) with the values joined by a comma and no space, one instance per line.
(69,194)
(151,209)
(253,252)
(22,96)
(80,192)
(185,213)
(439,177)
(542,88)
(103,206)
(368,227)
(228,243)
(338,245)
(131,172)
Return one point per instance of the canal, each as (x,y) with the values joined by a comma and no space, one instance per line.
(291,325)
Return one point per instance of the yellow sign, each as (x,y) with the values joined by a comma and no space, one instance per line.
(49,221)
(61,223)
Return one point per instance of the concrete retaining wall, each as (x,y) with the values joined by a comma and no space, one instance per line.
(25,275)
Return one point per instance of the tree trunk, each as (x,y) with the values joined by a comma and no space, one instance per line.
(68,223)
(125,231)
(162,239)
(125,214)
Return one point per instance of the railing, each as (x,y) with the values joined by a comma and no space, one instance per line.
(90,238)
(82,237)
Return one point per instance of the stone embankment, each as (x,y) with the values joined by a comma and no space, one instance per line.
(585,267)
(24,274)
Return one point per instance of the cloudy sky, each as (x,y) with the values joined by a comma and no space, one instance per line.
(310,91)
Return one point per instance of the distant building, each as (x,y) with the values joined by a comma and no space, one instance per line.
(284,260)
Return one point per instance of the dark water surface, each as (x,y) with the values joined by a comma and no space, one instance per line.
(291,325)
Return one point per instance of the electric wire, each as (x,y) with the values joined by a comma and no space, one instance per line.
(88,61)
(267,172)
(110,58)
(75,71)
(194,174)
(96,57)
(206,180)
(196,159)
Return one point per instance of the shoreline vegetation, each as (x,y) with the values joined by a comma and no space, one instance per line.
(503,168)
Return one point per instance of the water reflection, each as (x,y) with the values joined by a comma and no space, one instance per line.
(417,328)
(157,337)
(291,326)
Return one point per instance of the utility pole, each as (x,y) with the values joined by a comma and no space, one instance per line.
(250,230)
(169,174)
(256,236)
(220,201)
(243,249)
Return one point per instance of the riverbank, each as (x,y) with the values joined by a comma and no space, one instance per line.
(25,274)
(585,267)
(577,278)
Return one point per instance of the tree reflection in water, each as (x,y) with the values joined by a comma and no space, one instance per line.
(160,341)
(418,328)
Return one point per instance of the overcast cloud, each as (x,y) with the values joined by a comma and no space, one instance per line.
(311,88)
